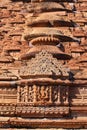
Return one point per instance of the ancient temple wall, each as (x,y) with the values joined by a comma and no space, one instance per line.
(13,16)
(67,99)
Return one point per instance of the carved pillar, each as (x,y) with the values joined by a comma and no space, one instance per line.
(58,101)
(64,95)
(34,89)
(50,96)
(67,95)
(26,93)
(58,96)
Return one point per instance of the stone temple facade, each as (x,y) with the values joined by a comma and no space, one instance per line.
(43,64)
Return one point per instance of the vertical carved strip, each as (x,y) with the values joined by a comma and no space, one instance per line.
(18,93)
(26,93)
(67,95)
(57,94)
(50,94)
(58,101)
(34,89)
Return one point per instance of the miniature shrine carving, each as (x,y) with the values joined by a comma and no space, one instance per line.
(43,64)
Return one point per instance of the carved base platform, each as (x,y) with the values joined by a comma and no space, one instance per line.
(43,105)
(43,123)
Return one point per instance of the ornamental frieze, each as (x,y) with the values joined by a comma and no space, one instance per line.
(43,95)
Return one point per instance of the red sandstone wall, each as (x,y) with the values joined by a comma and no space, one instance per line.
(12,23)
(13,16)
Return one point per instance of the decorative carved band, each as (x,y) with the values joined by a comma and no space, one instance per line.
(7,109)
(42,111)
(42,95)
(31,111)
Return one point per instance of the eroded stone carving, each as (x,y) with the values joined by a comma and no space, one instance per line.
(7,110)
(7,75)
(42,111)
(79,96)
(41,95)
(44,64)
(8,95)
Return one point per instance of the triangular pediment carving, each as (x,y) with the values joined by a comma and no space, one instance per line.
(44,65)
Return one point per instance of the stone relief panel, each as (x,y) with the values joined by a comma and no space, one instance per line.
(8,95)
(64,95)
(34,100)
(43,95)
(78,95)
(56,94)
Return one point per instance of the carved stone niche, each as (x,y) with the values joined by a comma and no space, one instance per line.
(47,100)
(39,92)
(78,96)
(8,100)
(8,95)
